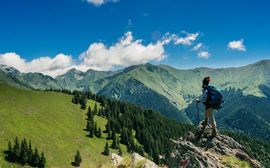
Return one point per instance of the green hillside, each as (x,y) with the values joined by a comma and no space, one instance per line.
(171,91)
(54,125)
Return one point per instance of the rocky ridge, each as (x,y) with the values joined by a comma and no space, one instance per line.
(215,152)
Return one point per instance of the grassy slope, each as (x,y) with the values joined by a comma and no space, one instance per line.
(53,123)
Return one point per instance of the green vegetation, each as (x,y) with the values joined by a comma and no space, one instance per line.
(231,161)
(54,124)
(260,150)
(23,154)
(106,151)
(143,131)
(170,91)
(77,159)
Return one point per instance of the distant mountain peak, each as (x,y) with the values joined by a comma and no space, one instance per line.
(262,62)
(73,70)
(9,70)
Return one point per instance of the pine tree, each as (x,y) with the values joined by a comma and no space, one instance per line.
(30,153)
(99,133)
(76,97)
(77,159)
(10,152)
(88,125)
(42,161)
(24,152)
(106,149)
(90,114)
(83,102)
(95,129)
(120,150)
(16,150)
(36,158)
(91,131)
(95,109)
(114,143)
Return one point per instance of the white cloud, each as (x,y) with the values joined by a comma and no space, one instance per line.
(204,54)
(100,2)
(237,45)
(187,40)
(190,37)
(197,47)
(46,65)
(125,52)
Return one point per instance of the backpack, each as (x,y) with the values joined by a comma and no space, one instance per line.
(214,97)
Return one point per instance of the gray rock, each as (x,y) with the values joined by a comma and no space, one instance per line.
(207,152)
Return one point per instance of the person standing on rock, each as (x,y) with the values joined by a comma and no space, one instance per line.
(212,99)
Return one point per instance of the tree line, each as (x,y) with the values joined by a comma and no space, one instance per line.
(141,130)
(23,154)
(94,130)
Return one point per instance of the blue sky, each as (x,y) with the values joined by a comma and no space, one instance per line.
(58,31)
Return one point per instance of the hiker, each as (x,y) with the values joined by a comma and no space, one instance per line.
(209,108)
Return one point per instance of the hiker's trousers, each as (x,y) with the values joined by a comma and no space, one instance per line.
(209,116)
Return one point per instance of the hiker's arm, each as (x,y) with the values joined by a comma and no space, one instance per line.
(204,96)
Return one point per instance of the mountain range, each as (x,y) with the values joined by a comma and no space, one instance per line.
(171,91)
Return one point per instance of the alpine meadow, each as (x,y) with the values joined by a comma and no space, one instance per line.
(134,84)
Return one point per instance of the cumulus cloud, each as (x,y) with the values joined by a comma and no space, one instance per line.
(46,65)
(237,45)
(188,39)
(204,54)
(100,2)
(197,47)
(125,52)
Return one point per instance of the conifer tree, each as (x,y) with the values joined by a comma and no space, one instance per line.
(91,131)
(42,161)
(99,133)
(16,150)
(90,114)
(95,129)
(88,125)
(95,109)
(30,153)
(106,149)
(114,143)
(24,152)
(119,150)
(36,158)
(10,152)
(77,159)
(83,102)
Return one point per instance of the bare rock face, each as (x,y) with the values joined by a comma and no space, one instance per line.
(136,161)
(142,161)
(116,159)
(204,151)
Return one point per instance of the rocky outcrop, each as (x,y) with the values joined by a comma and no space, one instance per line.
(136,161)
(203,151)
(142,161)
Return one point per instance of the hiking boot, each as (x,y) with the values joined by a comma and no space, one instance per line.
(204,123)
(214,133)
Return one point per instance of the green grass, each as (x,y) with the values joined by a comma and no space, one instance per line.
(232,161)
(54,125)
